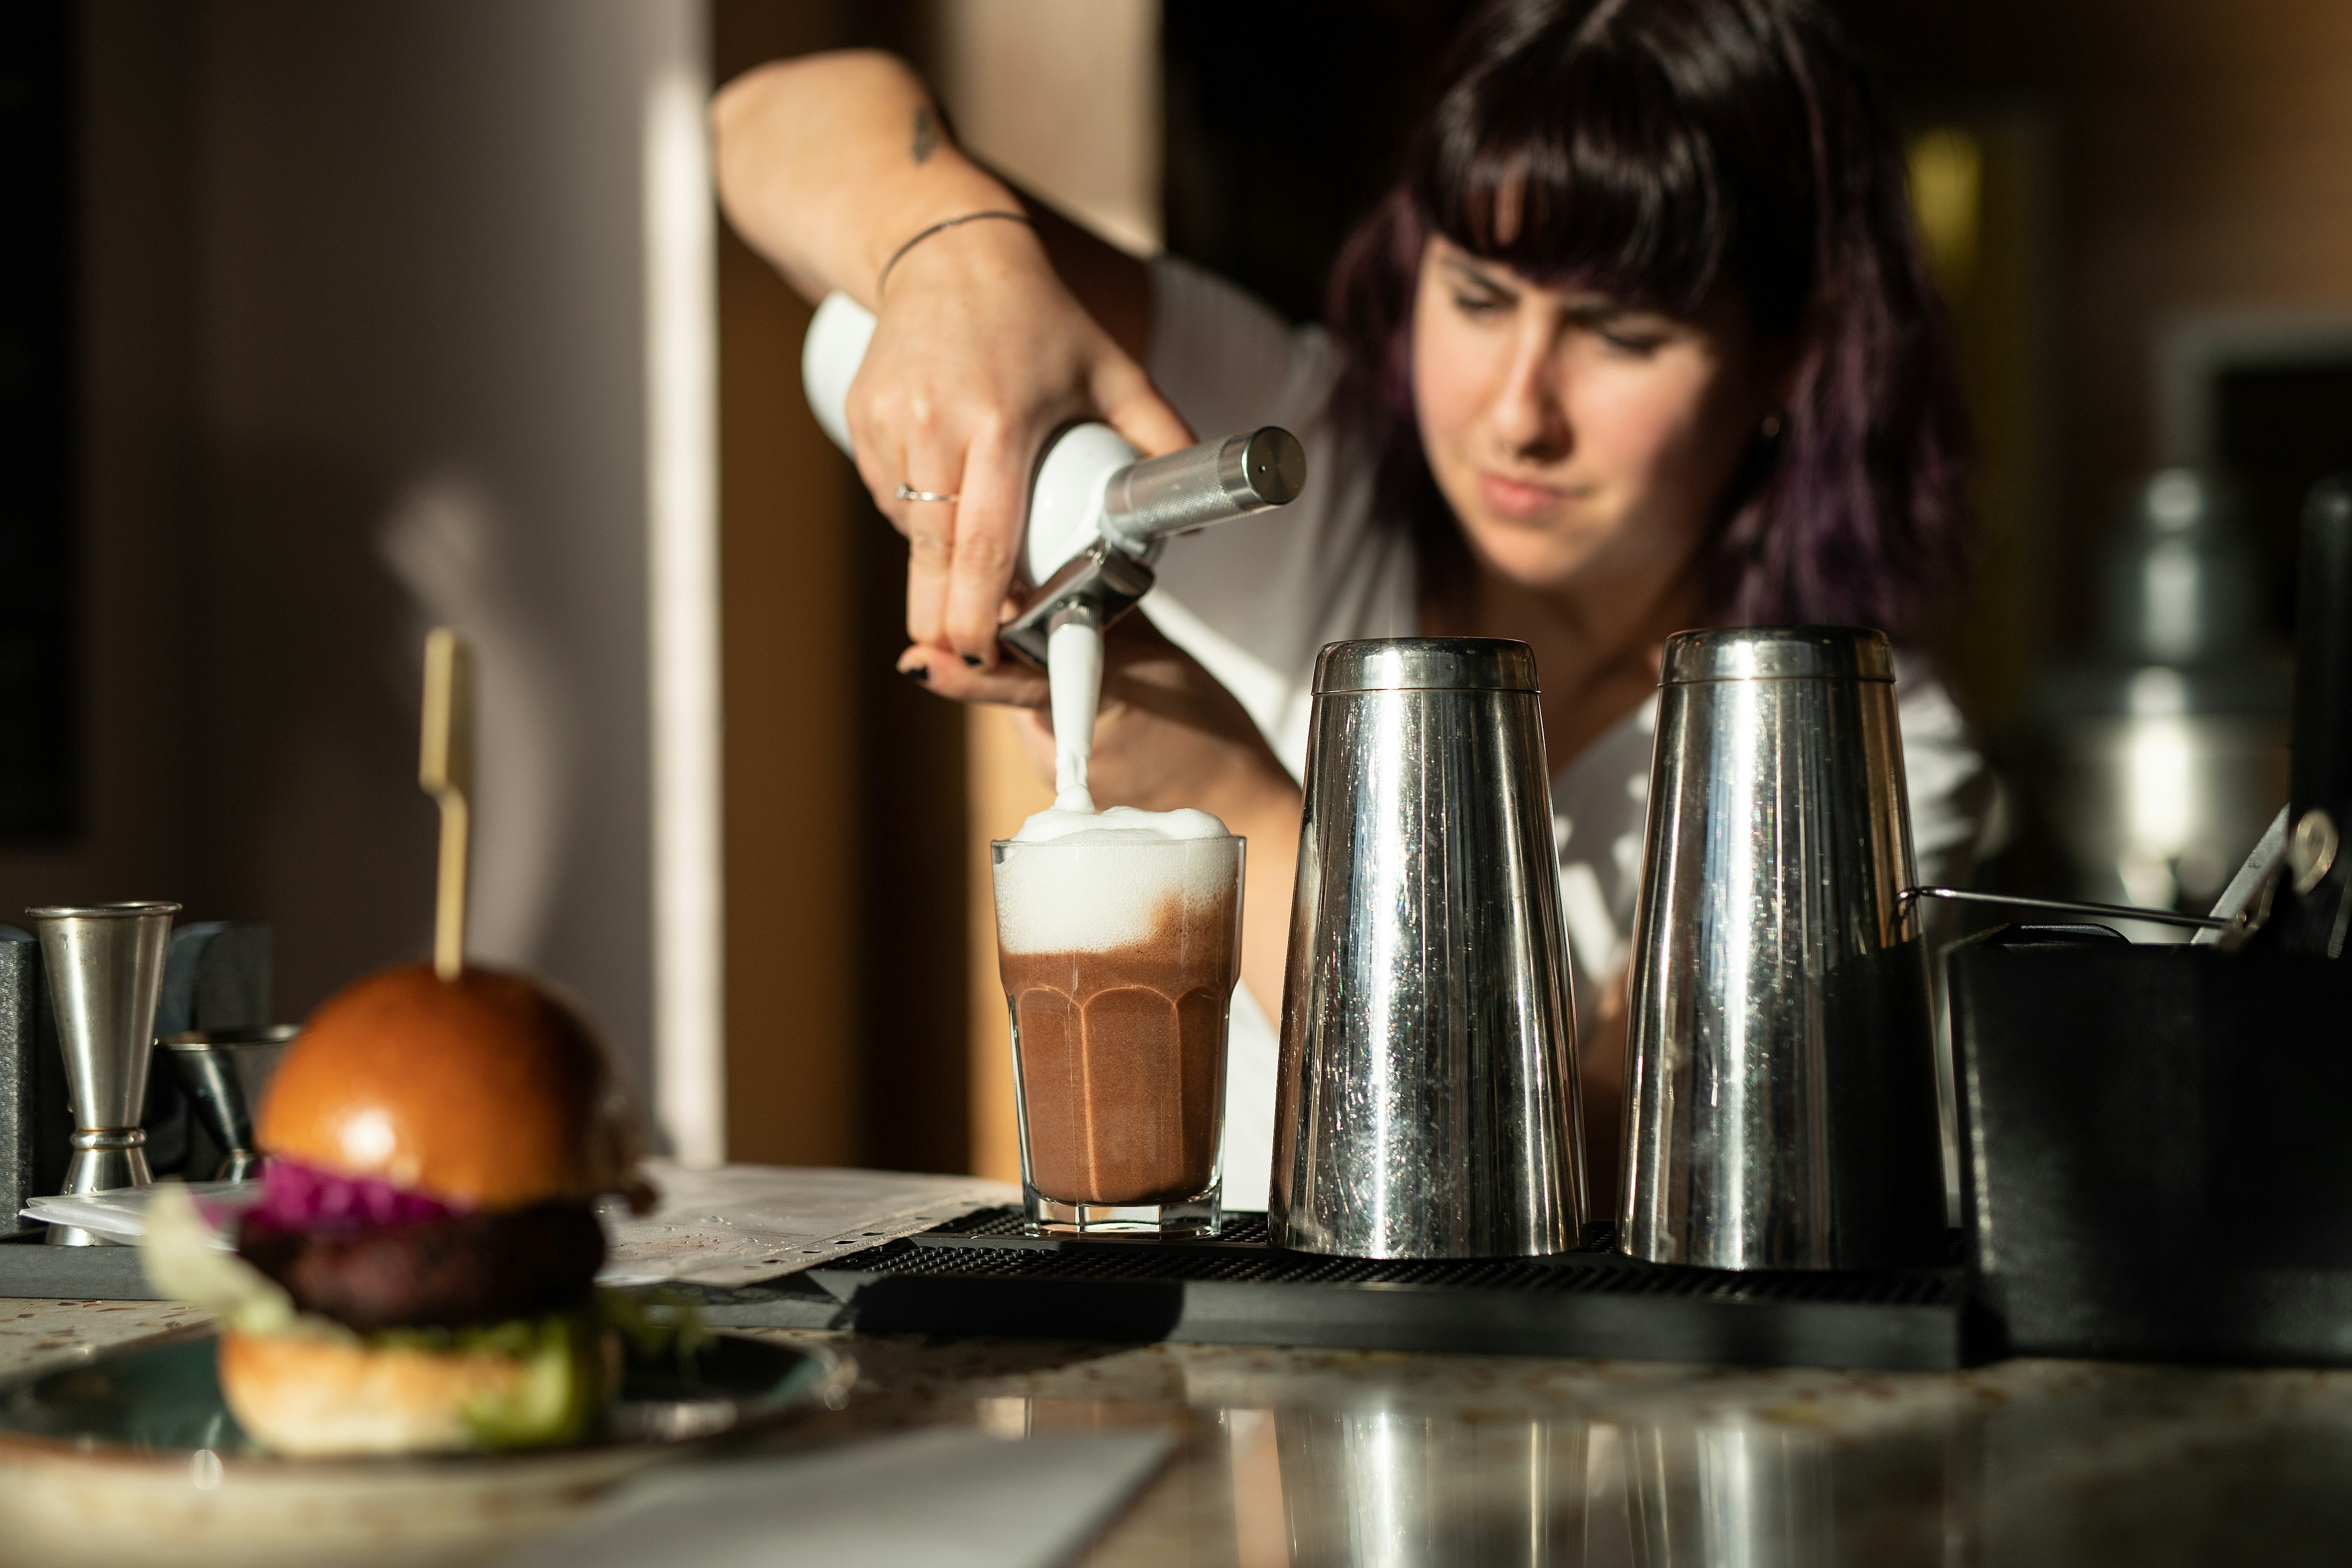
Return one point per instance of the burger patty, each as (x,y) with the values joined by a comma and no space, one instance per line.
(444,1273)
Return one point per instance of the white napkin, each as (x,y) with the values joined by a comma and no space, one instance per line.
(725,1228)
(930,1499)
(741,1223)
(122,1214)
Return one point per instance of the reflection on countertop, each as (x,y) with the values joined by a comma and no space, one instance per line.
(1330,1457)
(1312,1456)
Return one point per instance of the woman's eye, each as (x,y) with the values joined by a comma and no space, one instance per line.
(1479,304)
(1627,340)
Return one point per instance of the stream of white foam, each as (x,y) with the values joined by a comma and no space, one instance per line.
(1074,660)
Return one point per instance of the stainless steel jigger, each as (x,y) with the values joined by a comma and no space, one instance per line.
(105,965)
(1780,1101)
(1426,1099)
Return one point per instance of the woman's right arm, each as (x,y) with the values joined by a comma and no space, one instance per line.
(989,336)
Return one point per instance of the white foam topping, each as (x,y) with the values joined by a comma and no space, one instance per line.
(1107,876)
(1119,825)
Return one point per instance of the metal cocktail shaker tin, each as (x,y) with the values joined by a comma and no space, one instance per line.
(1427,1095)
(1781,1096)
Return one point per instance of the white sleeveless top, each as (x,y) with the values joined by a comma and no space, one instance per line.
(1255,601)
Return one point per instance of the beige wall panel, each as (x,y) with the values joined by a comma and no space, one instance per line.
(785,610)
(1003,789)
(788,607)
(1063,97)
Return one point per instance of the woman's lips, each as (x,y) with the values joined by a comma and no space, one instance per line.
(1517,499)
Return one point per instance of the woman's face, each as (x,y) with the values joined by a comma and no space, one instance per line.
(1579,440)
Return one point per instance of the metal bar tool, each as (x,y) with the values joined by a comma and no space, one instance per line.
(1427,1100)
(1780,1101)
(105,966)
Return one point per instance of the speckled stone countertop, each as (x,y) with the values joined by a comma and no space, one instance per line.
(1331,1457)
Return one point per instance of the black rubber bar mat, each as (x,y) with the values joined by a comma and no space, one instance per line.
(980,1275)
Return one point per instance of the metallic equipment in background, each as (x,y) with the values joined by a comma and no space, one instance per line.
(216,977)
(224,1073)
(2201,924)
(1426,1094)
(1100,512)
(2311,903)
(2235,909)
(1780,1108)
(2169,744)
(105,970)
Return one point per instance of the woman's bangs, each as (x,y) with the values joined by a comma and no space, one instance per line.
(1588,176)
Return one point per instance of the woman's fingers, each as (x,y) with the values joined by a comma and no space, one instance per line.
(1133,406)
(990,520)
(1012,683)
(930,527)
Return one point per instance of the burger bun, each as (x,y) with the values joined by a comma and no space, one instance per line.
(304,1396)
(489,1091)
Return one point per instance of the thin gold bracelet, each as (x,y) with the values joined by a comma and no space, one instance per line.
(922,235)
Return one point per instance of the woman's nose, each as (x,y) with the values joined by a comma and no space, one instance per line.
(1528,417)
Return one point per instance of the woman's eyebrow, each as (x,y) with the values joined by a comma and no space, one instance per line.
(1597,313)
(1588,312)
(1475,276)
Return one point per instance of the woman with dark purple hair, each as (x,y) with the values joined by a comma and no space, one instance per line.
(1640,339)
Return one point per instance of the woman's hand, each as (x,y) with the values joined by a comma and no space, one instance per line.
(988,336)
(979,354)
(1167,735)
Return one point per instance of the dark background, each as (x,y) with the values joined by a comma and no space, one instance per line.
(37,379)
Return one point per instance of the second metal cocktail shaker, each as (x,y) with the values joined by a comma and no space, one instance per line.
(1781,1095)
(1426,1103)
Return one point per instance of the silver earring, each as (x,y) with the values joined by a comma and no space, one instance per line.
(1771,426)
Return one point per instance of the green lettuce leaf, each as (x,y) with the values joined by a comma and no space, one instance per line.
(657,1322)
(563,1385)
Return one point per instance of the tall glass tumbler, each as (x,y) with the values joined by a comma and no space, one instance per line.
(1120,954)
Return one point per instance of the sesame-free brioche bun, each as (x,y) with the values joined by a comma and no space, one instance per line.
(487,1092)
(302,1396)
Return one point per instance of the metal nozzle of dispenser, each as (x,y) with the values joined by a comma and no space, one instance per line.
(1147,503)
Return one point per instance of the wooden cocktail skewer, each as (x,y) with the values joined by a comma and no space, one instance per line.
(445,768)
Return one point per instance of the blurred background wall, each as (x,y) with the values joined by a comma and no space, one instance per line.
(361,338)
(361,326)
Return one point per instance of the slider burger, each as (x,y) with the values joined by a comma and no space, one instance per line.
(418,1274)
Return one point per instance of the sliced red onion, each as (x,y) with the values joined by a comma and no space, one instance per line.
(296,1196)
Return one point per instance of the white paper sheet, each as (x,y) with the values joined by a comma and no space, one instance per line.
(743,1223)
(728,1226)
(122,1216)
(928,1499)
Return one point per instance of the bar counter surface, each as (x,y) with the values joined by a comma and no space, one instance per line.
(1332,1456)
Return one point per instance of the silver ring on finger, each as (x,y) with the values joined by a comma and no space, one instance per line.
(909,493)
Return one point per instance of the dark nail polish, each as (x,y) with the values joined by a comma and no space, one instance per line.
(921,673)
(974,660)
